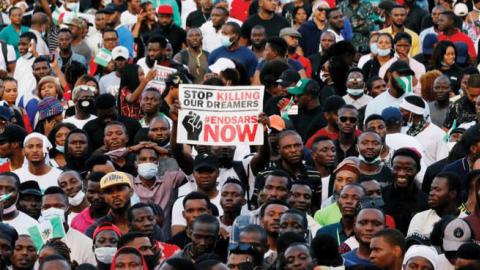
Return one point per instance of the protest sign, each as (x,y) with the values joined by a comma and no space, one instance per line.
(162,75)
(103,57)
(220,115)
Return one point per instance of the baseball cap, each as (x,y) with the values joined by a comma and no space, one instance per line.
(30,187)
(460,9)
(119,51)
(111,8)
(205,160)
(391,115)
(347,165)
(277,122)
(288,77)
(429,43)
(114,179)
(5,113)
(13,133)
(456,233)
(78,22)
(401,67)
(165,9)
(299,88)
(290,31)
(221,64)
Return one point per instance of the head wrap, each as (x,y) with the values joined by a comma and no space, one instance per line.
(46,145)
(421,251)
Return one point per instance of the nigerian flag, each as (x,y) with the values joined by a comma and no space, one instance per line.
(48,229)
(406,82)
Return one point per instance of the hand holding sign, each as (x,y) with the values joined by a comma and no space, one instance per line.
(193,125)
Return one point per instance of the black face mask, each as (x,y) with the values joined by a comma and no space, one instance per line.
(86,105)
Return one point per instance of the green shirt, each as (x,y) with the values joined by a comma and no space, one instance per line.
(12,37)
(328,215)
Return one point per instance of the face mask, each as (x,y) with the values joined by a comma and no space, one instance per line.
(60,148)
(12,208)
(355,92)
(383,52)
(147,170)
(73,6)
(225,40)
(86,105)
(105,254)
(374,48)
(367,161)
(51,213)
(77,199)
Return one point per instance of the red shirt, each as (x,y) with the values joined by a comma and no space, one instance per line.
(459,36)
(305,63)
(82,221)
(239,9)
(5,167)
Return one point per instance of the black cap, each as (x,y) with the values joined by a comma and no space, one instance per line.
(401,67)
(205,160)
(111,8)
(288,77)
(469,251)
(30,187)
(5,113)
(13,133)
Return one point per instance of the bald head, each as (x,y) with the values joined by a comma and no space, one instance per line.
(39,18)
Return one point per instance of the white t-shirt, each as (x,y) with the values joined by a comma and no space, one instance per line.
(433,144)
(128,18)
(109,84)
(422,223)
(80,246)
(325,185)
(358,103)
(44,181)
(21,223)
(11,57)
(364,59)
(24,76)
(177,209)
(77,122)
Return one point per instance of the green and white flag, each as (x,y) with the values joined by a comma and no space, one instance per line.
(44,231)
(103,57)
(406,82)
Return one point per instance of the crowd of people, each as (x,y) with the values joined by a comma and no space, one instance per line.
(370,121)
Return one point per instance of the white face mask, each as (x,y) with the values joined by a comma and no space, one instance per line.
(383,52)
(77,199)
(105,254)
(51,213)
(355,92)
(374,48)
(74,7)
(225,40)
(12,208)
(60,148)
(147,170)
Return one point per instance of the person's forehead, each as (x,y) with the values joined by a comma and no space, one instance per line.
(404,160)
(24,240)
(276,208)
(352,190)
(159,122)
(114,127)
(276,180)
(291,217)
(68,176)
(204,227)
(231,187)
(147,152)
(290,138)
(369,136)
(107,234)
(7,180)
(347,111)
(370,214)
(34,141)
(370,184)
(355,74)
(128,257)
(375,122)
(53,198)
(147,210)
(301,188)
(297,249)
(194,203)
(140,241)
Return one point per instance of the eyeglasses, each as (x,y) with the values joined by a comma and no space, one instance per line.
(344,119)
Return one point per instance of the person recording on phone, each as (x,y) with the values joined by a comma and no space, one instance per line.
(23,70)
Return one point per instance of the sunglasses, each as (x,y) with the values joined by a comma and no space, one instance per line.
(321,9)
(240,247)
(344,119)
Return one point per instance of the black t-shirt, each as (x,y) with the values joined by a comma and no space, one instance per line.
(384,176)
(196,18)
(272,26)
(95,129)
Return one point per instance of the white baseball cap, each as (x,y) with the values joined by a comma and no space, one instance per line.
(221,64)
(119,51)
(460,9)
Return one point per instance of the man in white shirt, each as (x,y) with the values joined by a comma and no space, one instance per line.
(436,11)
(83,99)
(396,92)
(403,43)
(443,200)
(356,89)
(7,62)
(94,36)
(55,204)
(129,16)
(211,29)
(110,83)
(36,147)
(10,184)
(39,26)
(428,134)
(23,68)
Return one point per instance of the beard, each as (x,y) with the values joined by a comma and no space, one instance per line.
(259,45)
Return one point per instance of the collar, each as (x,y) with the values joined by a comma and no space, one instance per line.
(137,180)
